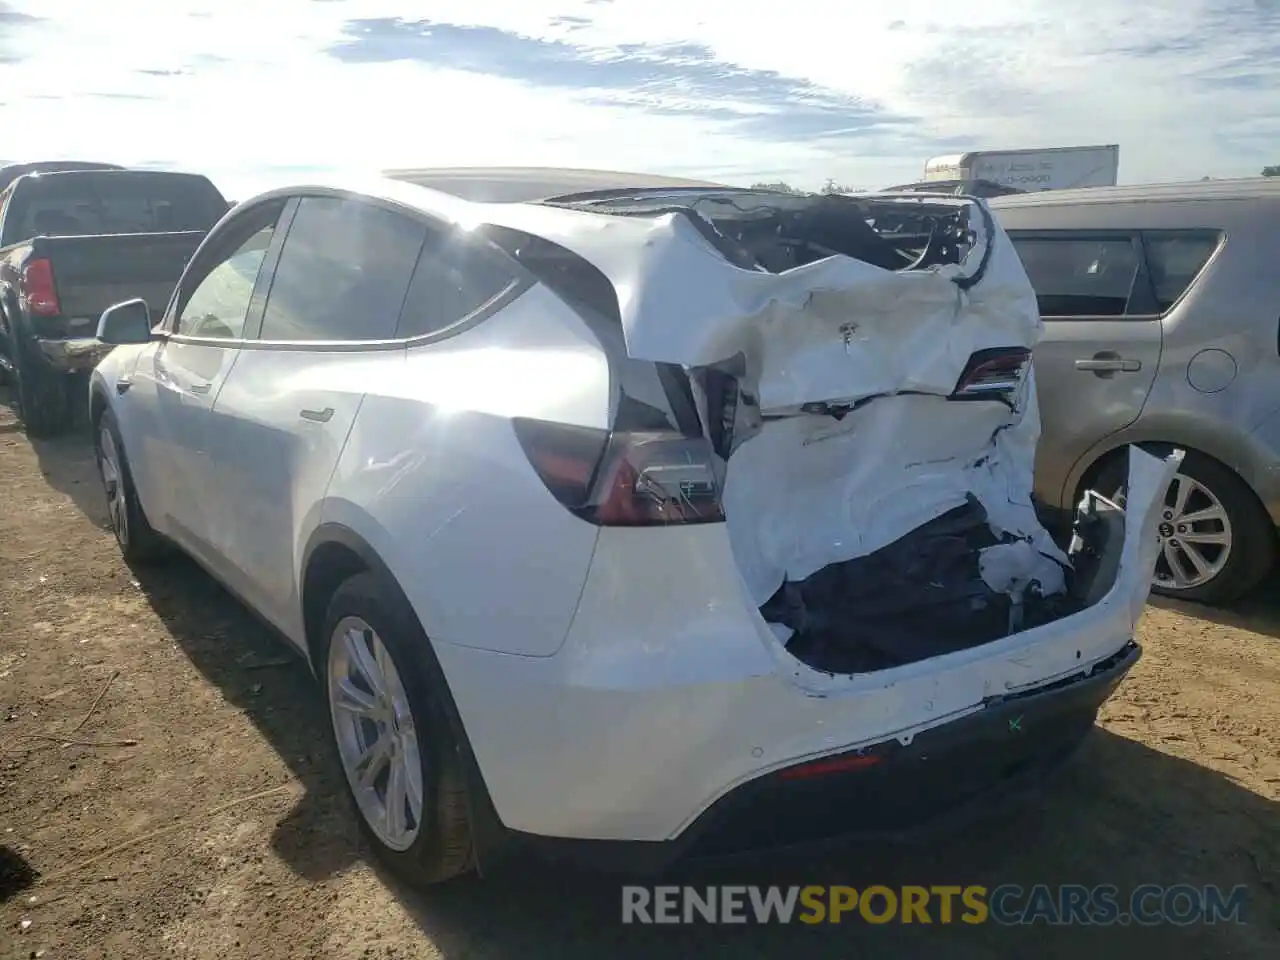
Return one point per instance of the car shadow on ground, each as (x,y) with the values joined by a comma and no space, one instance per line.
(1257,612)
(257,672)
(1120,814)
(66,460)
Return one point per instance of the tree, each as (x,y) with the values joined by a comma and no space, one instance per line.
(1271,171)
(832,187)
(778,187)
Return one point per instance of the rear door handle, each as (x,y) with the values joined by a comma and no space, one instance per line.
(201,388)
(1109,365)
(317,416)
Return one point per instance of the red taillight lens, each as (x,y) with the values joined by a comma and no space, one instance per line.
(993,374)
(625,478)
(38,289)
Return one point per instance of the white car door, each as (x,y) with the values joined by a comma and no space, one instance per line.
(189,368)
(177,378)
(283,415)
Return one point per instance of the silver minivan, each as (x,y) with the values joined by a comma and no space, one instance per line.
(1161,307)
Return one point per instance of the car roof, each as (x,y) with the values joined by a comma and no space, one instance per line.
(494,188)
(525,184)
(1247,188)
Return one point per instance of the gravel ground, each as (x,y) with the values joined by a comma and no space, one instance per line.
(200,814)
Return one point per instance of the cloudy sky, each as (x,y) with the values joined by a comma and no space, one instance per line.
(257,92)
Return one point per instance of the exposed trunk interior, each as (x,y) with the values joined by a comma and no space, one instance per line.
(959,580)
(925,594)
(763,230)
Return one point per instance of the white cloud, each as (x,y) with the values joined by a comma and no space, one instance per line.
(260,91)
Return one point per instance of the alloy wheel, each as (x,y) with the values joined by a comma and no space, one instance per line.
(374,729)
(113,484)
(1195,536)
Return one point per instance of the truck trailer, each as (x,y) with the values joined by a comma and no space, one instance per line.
(1052,168)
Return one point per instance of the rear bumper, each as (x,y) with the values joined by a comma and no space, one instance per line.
(670,693)
(944,778)
(74,355)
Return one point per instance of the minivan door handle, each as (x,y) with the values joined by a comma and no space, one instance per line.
(317,416)
(201,388)
(1108,363)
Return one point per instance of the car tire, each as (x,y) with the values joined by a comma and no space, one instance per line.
(139,543)
(1251,532)
(434,843)
(41,398)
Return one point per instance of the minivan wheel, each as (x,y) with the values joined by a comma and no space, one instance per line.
(398,755)
(1216,540)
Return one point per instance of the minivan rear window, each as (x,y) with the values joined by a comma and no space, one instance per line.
(1175,259)
(1077,276)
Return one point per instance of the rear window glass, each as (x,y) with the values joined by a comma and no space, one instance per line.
(452,280)
(73,205)
(1175,260)
(1079,277)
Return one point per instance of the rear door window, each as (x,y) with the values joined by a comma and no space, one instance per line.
(343,273)
(1076,276)
(1175,259)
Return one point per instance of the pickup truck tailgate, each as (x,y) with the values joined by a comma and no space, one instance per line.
(93,272)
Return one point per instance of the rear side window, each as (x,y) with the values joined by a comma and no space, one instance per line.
(1175,259)
(454,278)
(1079,276)
(343,272)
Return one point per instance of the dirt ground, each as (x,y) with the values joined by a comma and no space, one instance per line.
(199,813)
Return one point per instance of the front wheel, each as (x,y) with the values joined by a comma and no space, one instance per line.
(139,543)
(392,735)
(1216,540)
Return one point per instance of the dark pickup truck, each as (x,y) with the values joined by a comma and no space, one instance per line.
(72,244)
(15,170)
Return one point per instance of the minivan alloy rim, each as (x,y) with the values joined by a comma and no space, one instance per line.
(113,484)
(1195,536)
(374,729)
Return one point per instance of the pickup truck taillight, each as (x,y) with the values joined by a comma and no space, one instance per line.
(38,289)
(625,478)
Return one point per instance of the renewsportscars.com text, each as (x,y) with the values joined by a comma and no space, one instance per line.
(1006,905)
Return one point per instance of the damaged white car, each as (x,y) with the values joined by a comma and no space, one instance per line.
(643,523)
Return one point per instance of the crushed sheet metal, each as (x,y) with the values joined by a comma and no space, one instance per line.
(836,329)
(831,330)
(896,464)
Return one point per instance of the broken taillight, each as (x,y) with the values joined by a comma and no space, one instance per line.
(38,288)
(625,478)
(993,374)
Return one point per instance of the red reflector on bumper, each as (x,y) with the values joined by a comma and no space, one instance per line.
(820,768)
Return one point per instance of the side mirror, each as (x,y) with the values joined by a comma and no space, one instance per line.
(124,323)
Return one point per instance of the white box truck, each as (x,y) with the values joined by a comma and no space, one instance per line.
(1052,168)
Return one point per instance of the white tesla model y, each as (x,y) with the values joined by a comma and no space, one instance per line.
(655,521)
